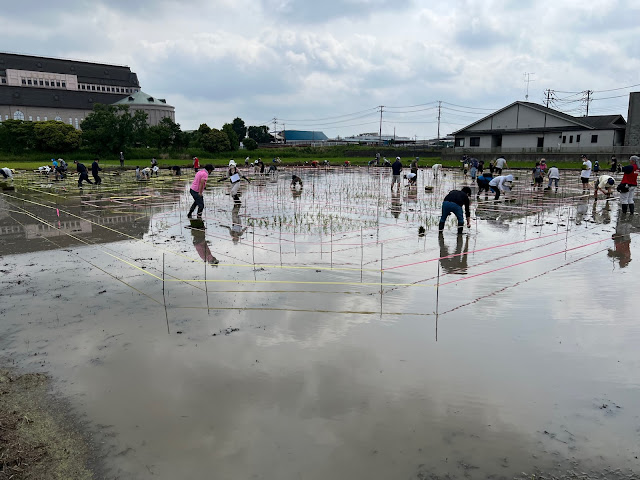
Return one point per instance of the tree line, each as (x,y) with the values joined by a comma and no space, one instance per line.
(109,129)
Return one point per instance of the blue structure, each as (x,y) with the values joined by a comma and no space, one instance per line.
(303,136)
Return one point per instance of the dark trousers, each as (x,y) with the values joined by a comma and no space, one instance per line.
(198,201)
(97,179)
(496,190)
(85,177)
(449,208)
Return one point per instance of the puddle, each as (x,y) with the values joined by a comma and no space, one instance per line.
(512,349)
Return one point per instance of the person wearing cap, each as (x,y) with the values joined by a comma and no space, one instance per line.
(196,164)
(197,187)
(454,202)
(604,184)
(501,184)
(396,169)
(628,184)
(585,173)
(234,176)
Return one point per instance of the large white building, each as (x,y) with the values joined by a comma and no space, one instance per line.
(529,127)
(41,88)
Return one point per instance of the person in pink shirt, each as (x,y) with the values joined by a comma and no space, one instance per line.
(197,187)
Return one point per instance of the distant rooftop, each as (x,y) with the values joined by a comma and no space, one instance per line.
(141,98)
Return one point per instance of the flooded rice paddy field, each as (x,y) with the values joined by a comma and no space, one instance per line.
(331,340)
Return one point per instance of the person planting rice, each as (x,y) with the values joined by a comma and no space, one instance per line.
(197,187)
(234,177)
(454,203)
(412,178)
(396,169)
(296,180)
(554,177)
(83,174)
(6,173)
(501,184)
(628,184)
(604,184)
(483,184)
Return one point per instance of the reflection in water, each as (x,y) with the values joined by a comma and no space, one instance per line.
(396,204)
(200,242)
(581,211)
(295,193)
(457,263)
(622,241)
(236,230)
(602,216)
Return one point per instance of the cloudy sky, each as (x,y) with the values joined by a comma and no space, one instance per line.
(328,65)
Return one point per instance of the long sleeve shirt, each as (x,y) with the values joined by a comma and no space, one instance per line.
(460,198)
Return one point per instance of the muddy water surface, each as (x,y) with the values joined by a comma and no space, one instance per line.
(294,357)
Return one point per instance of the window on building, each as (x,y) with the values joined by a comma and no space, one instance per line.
(30,118)
(64,84)
(46,83)
(540,142)
(45,119)
(93,87)
(38,118)
(77,124)
(18,115)
(474,142)
(57,84)
(4,80)
(570,138)
(29,82)
(459,142)
(577,138)
(103,88)
(71,121)
(41,82)
(58,118)
(594,138)
(564,139)
(24,81)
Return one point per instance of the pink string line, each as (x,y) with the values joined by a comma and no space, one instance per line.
(527,261)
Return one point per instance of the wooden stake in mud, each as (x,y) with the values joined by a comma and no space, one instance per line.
(331,231)
(361,254)
(437,299)
(206,288)
(381,270)
(164,298)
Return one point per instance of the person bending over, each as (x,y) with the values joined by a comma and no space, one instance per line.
(454,203)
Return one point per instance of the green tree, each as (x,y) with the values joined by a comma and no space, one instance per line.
(165,135)
(239,127)
(249,143)
(234,141)
(216,141)
(260,134)
(52,136)
(17,136)
(112,128)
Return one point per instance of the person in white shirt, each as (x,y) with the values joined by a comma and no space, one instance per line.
(554,177)
(501,184)
(501,163)
(6,172)
(585,173)
(604,184)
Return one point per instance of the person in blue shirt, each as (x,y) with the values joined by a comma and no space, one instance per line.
(454,203)
(483,183)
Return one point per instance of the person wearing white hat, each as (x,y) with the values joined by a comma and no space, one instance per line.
(234,177)
(501,184)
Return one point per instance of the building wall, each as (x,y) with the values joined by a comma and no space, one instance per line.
(38,114)
(520,116)
(632,134)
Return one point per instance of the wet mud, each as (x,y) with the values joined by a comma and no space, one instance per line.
(332,339)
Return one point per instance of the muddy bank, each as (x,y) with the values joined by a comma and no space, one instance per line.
(38,437)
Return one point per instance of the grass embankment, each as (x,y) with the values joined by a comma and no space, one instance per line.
(37,440)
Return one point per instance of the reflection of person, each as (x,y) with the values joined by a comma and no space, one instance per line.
(396,204)
(628,184)
(604,184)
(197,187)
(604,216)
(501,184)
(456,262)
(236,230)
(200,242)
(95,168)
(621,242)
(453,203)
(581,211)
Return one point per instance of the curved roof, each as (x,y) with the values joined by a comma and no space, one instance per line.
(142,98)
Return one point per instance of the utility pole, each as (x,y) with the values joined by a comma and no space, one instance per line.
(380,133)
(548,92)
(439,105)
(275,133)
(284,133)
(528,80)
(589,92)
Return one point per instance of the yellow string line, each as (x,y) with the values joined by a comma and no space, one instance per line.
(242,265)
